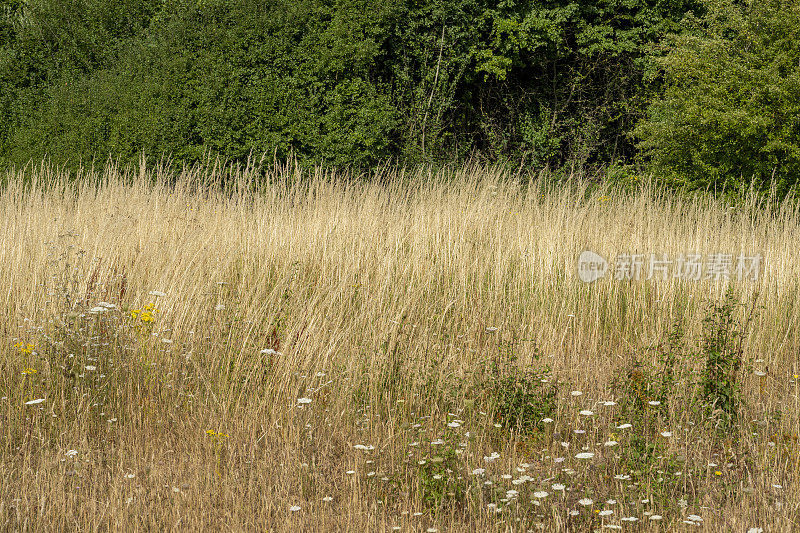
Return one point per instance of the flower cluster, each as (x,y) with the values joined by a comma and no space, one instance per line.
(24,348)
(146,315)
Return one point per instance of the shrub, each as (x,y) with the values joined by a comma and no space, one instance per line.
(520,398)
(343,83)
(728,117)
(722,350)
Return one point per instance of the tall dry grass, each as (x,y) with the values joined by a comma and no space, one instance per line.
(377,298)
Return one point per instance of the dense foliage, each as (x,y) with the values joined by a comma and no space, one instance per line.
(343,81)
(730,112)
(712,85)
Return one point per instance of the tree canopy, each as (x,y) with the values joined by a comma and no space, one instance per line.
(704,93)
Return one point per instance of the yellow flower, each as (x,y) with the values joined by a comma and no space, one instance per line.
(24,348)
(29,371)
(717,473)
(217,436)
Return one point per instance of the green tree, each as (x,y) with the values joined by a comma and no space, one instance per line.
(50,46)
(730,112)
(343,82)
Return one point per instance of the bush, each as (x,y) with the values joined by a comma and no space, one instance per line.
(730,113)
(722,349)
(520,398)
(344,83)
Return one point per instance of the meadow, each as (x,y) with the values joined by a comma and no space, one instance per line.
(242,349)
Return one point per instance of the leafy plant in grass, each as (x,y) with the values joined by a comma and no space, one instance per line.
(520,398)
(638,386)
(83,346)
(649,387)
(89,371)
(439,482)
(96,352)
(668,380)
(722,350)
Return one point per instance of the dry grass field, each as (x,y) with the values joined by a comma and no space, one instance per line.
(407,351)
